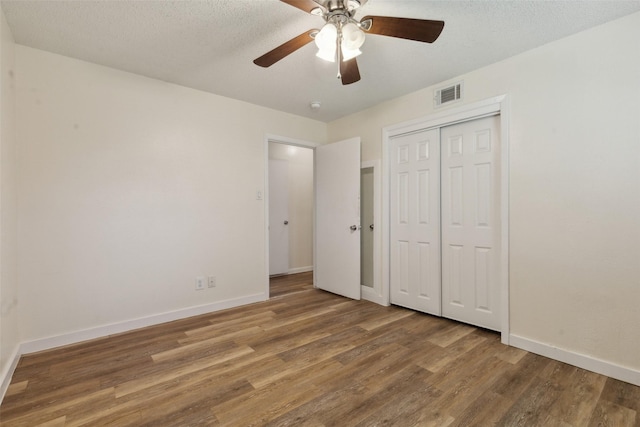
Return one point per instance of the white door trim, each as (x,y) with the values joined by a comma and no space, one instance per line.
(376,294)
(491,106)
(286,141)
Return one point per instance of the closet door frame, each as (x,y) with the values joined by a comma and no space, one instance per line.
(489,107)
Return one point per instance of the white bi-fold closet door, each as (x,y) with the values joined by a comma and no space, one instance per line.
(445,221)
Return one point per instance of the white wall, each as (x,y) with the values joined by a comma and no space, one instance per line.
(9,333)
(300,161)
(130,188)
(574,188)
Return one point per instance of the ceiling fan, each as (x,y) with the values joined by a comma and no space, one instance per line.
(342,35)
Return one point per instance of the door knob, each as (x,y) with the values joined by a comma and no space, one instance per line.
(286,222)
(371,226)
(353,228)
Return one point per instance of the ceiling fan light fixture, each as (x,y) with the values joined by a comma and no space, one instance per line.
(327,55)
(348,54)
(326,42)
(352,37)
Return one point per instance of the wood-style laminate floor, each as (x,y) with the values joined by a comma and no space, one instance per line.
(310,358)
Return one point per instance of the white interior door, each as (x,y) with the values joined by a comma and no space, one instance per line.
(471,222)
(278,216)
(415,221)
(337,233)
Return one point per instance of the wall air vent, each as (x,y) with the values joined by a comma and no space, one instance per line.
(448,94)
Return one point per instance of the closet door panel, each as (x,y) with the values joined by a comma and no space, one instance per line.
(415,221)
(470,222)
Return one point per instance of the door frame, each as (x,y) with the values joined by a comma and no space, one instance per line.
(488,107)
(295,143)
(375,294)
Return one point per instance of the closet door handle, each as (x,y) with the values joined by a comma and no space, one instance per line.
(371,227)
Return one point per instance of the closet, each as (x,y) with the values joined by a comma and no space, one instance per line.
(444,221)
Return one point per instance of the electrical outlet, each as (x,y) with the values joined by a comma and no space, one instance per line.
(200,283)
(212,281)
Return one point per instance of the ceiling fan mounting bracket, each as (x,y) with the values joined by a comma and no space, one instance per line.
(332,5)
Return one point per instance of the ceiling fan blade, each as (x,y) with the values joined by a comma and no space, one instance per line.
(422,30)
(287,48)
(349,71)
(306,5)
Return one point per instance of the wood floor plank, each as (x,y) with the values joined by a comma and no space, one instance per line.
(58,409)
(366,370)
(277,341)
(438,360)
(462,393)
(579,398)
(608,414)
(191,405)
(286,321)
(486,410)
(183,369)
(226,326)
(304,356)
(264,404)
(405,401)
(316,410)
(512,355)
(363,348)
(515,380)
(622,394)
(385,319)
(16,388)
(309,358)
(451,334)
(533,405)
(410,408)
(58,422)
(205,345)
(44,397)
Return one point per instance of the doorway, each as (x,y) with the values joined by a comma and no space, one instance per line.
(335,241)
(291,195)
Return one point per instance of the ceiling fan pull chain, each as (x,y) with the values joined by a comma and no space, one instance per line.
(339,51)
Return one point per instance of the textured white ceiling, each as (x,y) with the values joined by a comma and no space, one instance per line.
(210,45)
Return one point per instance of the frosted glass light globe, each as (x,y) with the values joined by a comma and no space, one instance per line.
(326,42)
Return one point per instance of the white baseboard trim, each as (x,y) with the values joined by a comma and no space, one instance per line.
(8,371)
(128,325)
(583,361)
(296,270)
